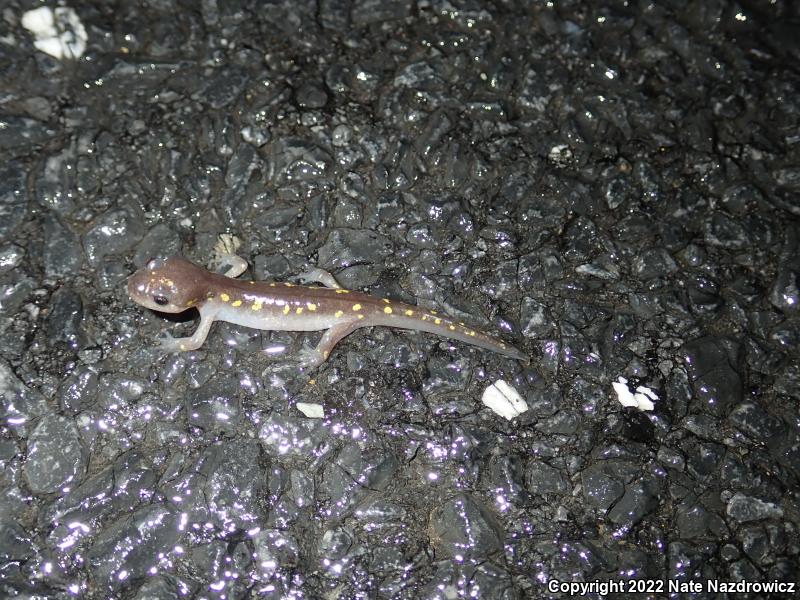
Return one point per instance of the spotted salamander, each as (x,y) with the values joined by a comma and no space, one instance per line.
(173,285)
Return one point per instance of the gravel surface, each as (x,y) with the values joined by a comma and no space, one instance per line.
(613,187)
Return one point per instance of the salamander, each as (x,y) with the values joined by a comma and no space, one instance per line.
(174,285)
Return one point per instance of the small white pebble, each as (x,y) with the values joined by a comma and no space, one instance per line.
(560,155)
(504,400)
(311,410)
(647,392)
(58,32)
(642,399)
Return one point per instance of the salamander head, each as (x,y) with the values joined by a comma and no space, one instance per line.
(170,285)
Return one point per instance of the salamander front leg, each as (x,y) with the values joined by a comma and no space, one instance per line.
(226,261)
(313,357)
(321,276)
(231,266)
(185,344)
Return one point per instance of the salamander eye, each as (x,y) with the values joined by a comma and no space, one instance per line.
(161,300)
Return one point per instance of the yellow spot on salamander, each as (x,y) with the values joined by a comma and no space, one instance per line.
(409,312)
(224,297)
(387,310)
(289,284)
(338,314)
(311,306)
(286,309)
(256,306)
(299,310)
(424,318)
(471,333)
(452,328)
(325,354)
(433,312)
(236,303)
(340,291)
(502,345)
(356,307)
(438,321)
(183,346)
(387,301)
(360,316)
(272,284)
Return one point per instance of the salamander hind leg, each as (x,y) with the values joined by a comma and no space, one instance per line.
(321,276)
(314,357)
